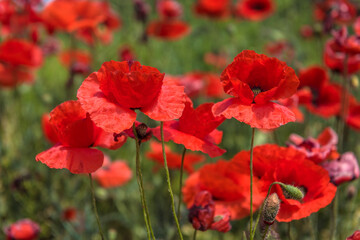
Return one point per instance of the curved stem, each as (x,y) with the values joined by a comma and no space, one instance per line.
(141,188)
(251,182)
(181,181)
(95,208)
(168,180)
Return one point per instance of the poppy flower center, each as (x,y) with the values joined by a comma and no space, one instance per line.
(258,6)
(307,144)
(256,91)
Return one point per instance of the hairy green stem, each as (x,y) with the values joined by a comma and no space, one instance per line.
(139,179)
(181,181)
(168,181)
(251,182)
(266,232)
(95,208)
(194,236)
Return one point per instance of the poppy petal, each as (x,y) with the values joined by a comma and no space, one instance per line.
(170,103)
(105,114)
(76,160)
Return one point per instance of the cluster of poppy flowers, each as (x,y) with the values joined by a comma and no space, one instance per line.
(264,93)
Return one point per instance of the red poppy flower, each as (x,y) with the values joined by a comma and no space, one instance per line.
(355,236)
(229,187)
(317,150)
(202,214)
(343,169)
(213,8)
(353,116)
(78,60)
(168,29)
(273,163)
(201,83)
(255,10)
(357,26)
(219,60)
(113,174)
(306,31)
(334,57)
(173,159)
(24,229)
(317,94)
(293,104)
(196,130)
(77,134)
(20,52)
(255,81)
(49,130)
(169,9)
(83,16)
(11,76)
(340,11)
(69,214)
(126,53)
(112,94)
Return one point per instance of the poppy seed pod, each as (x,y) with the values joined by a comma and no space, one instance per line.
(271,208)
(292,192)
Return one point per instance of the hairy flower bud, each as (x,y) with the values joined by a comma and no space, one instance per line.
(292,192)
(271,208)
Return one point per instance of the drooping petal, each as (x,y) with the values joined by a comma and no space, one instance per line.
(76,160)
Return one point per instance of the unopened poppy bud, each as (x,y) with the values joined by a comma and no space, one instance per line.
(201,214)
(271,208)
(292,192)
(141,131)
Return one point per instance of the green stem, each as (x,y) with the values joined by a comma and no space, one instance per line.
(266,232)
(194,236)
(181,181)
(139,179)
(95,208)
(334,217)
(168,181)
(289,230)
(251,182)
(344,104)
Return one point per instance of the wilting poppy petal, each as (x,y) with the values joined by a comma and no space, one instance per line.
(76,160)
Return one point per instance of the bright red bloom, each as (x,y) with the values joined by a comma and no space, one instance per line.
(229,187)
(255,10)
(24,229)
(213,8)
(78,60)
(20,52)
(49,130)
(355,236)
(173,159)
(113,174)
(317,94)
(69,214)
(168,29)
(112,94)
(334,57)
(317,150)
(273,163)
(77,134)
(10,76)
(196,130)
(201,83)
(82,16)
(340,11)
(293,104)
(357,26)
(255,81)
(169,9)
(353,116)
(343,169)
